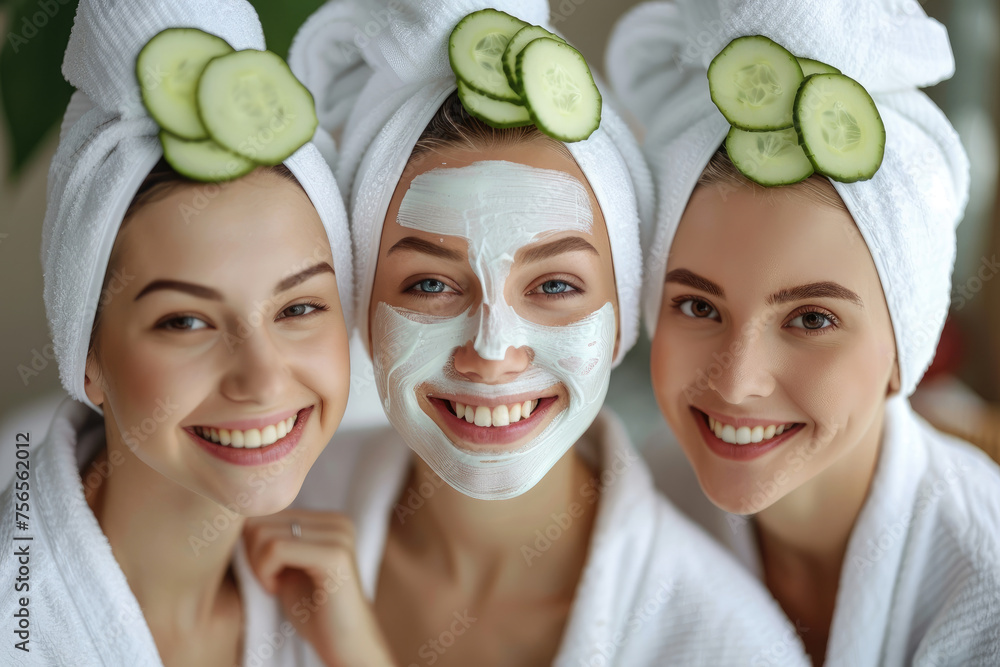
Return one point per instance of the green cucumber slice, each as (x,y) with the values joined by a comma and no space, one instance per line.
(559,90)
(495,113)
(839,127)
(753,82)
(476,48)
(168,68)
(769,158)
(252,104)
(810,66)
(203,159)
(518,42)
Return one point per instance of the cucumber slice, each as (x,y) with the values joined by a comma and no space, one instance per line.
(753,82)
(559,90)
(475,50)
(769,158)
(495,113)
(518,42)
(810,66)
(168,68)
(203,160)
(253,105)
(839,127)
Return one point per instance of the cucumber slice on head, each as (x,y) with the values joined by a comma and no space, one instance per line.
(839,127)
(253,105)
(475,50)
(168,68)
(753,82)
(203,159)
(495,113)
(810,66)
(518,42)
(559,90)
(768,158)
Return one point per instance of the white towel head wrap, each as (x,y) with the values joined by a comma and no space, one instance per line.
(379,72)
(108,144)
(658,60)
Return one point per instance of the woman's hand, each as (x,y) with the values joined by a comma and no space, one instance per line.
(307,559)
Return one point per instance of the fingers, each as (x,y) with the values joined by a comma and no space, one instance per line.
(326,542)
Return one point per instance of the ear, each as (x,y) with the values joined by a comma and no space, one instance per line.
(894,381)
(92,381)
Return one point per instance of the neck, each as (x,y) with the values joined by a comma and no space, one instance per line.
(509,545)
(165,538)
(803,539)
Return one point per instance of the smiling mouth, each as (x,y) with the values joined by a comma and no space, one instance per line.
(746,435)
(249,438)
(500,415)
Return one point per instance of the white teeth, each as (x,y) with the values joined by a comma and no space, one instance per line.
(250,438)
(745,434)
(501,415)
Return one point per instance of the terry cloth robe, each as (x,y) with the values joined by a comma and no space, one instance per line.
(81,609)
(655,589)
(920,584)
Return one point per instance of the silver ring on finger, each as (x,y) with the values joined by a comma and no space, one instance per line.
(296,530)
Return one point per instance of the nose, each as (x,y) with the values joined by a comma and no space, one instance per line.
(743,370)
(258,373)
(474,367)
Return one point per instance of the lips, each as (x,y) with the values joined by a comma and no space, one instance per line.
(743,440)
(254,453)
(495,433)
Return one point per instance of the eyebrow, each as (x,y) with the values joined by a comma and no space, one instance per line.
(203,292)
(302,276)
(415,244)
(558,247)
(820,290)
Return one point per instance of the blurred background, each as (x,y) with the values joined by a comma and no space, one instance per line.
(961,393)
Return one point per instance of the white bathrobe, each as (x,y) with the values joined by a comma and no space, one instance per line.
(655,590)
(920,582)
(81,609)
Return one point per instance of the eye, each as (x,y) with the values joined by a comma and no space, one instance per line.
(431,286)
(698,308)
(301,310)
(182,323)
(557,287)
(813,320)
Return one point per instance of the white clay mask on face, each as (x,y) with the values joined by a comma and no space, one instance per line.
(498,207)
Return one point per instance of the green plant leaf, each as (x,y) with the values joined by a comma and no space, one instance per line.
(34,93)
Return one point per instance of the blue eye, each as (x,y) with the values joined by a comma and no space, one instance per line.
(556,287)
(430,286)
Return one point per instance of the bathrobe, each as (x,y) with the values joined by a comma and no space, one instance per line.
(81,611)
(920,583)
(655,589)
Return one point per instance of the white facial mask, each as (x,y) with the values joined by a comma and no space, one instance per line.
(499,207)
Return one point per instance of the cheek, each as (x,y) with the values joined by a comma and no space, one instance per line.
(322,360)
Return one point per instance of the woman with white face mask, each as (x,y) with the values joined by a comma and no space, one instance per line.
(504,519)
(790,324)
